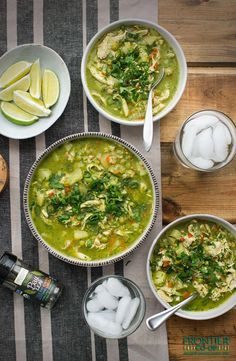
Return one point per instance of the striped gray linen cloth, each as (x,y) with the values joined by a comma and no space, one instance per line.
(28,333)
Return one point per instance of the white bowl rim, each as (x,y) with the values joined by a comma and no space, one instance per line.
(135,244)
(193,315)
(163,32)
(15,48)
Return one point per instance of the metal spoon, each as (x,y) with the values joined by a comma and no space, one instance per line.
(148,122)
(157,320)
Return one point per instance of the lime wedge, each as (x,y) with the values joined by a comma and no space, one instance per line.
(17,115)
(33,106)
(35,74)
(14,73)
(21,84)
(50,88)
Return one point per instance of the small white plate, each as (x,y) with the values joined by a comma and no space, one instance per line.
(48,59)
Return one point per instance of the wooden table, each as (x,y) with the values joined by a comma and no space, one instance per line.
(207,32)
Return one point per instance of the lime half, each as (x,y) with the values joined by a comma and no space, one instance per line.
(35,74)
(22,84)
(14,73)
(17,115)
(33,106)
(50,88)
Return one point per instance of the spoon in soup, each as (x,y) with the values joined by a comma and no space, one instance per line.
(148,122)
(155,321)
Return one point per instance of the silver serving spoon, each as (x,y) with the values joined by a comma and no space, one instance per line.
(148,122)
(157,320)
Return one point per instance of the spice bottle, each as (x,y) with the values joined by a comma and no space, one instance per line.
(32,284)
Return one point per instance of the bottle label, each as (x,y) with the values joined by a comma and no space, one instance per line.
(37,286)
(21,276)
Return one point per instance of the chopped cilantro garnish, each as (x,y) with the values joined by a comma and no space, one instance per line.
(54,181)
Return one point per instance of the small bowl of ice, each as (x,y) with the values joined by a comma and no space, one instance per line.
(113,307)
(206,141)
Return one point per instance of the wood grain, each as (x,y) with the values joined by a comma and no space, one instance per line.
(206,29)
(198,192)
(178,328)
(207,88)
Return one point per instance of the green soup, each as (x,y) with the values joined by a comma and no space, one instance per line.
(197,256)
(123,65)
(91,198)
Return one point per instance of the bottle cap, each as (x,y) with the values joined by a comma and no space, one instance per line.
(7,262)
(3,173)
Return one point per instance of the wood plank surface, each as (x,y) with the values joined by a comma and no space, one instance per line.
(197,192)
(206,29)
(207,88)
(186,191)
(180,329)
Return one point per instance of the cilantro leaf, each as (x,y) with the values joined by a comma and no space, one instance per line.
(54,181)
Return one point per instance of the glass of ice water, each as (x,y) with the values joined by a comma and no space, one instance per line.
(206,141)
(113,307)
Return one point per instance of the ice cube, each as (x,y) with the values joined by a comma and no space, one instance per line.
(187,141)
(107,300)
(100,288)
(116,288)
(104,283)
(205,143)
(196,149)
(96,321)
(110,328)
(220,143)
(122,309)
(94,305)
(92,295)
(107,314)
(131,312)
(201,122)
(227,135)
(114,328)
(201,162)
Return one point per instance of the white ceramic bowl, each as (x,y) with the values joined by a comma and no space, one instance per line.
(48,59)
(194,315)
(170,39)
(100,262)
